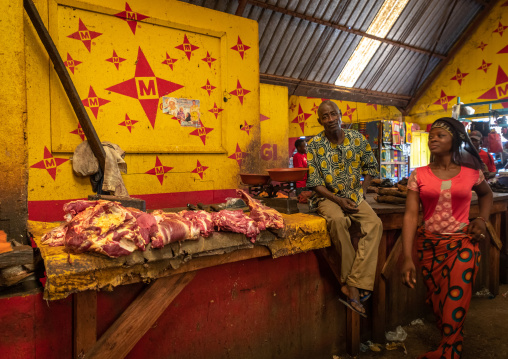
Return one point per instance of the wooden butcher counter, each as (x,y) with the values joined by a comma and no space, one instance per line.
(167,272)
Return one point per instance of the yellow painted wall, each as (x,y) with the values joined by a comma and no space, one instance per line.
(13,156)
(479,65)
(53,128)
(303,110)
(274,126)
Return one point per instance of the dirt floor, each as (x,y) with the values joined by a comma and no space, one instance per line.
(485,332)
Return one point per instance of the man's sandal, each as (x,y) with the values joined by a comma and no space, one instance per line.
(365,295)
(348,304)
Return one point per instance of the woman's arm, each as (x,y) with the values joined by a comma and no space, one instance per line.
(477,227)
(408,234)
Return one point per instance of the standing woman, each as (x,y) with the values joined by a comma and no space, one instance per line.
(447,242)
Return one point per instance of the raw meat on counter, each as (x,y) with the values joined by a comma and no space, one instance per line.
(203,219)
(264,216)
(236,221)
(172,227)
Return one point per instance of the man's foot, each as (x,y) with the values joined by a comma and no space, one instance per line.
(365,295)
(353,296)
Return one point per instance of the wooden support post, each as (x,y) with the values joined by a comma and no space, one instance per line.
(135,321)
(379,294)
(352,332)
(494,257)
(84,322)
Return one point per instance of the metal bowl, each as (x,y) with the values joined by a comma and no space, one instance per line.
(254,179)
(287,174)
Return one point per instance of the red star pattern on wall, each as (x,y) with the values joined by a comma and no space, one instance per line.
(79,131)
(246,127)
(301,118)
(169,61)
(504,50)
(208,87)
(209,59)
(215,110)
(159,170)
(485,66)
(482,46)
(459,76)
(314,108)
(500,89)
(49,163)
(263,117)
(131,17)
(71,63)
(238,155)
(373,105)
(93,102)
(202,132)
(128,123)
(145,87)
(349,112)
(500,29)
(84,35)
(240,47)
(239,92)
(444,100)
(116,60)
(187,47)
(200,169)
(292,107)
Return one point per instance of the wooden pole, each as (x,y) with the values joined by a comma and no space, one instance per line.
(70,90)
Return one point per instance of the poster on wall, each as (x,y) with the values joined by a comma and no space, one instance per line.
(184,109)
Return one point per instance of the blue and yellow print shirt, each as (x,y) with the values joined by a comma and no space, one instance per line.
(340,167)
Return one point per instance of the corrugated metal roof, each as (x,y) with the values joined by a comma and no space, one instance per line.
(296,48)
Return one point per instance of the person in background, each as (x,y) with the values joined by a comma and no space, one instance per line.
(504,156)
(490,170)
(337,160)
(447,242)
(300,161)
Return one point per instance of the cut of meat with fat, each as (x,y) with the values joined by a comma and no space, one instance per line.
(172,227)
(236,221)
(264,216)
(75,207)
(202,219)
(55,237)
(106,228)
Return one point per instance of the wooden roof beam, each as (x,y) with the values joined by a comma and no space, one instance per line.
(466,35)
(322,90)
(340,27)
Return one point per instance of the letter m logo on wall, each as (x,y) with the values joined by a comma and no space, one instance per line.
(49,163)
(159,171)
(147,88)
(130,15)
(84,35)
(502,91)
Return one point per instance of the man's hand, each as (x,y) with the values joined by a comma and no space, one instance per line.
(347,205)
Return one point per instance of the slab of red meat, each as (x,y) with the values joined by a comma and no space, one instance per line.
(74,207)
(202,219)
(55,237)
(264,216)
(172,227)
(106,228)
(236,221)
(146,222)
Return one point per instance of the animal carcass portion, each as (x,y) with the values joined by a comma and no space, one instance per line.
(264,216)
(202,219)
(106,228)
(55,237)
(236,221)
(172,227)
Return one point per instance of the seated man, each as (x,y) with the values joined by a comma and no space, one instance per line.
(300,161)
(337,159)
(489,171)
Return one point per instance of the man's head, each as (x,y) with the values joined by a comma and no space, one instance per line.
(301,146)
(476,139)
(329,116)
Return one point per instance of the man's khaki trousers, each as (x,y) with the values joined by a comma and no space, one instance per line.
(358,269)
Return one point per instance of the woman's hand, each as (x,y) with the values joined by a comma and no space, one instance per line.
(478,230)
(409,273)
